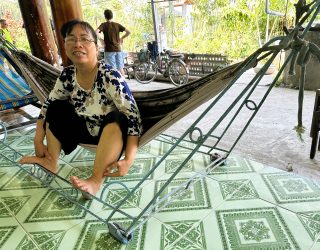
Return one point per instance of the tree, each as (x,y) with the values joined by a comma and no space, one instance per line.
(219,26)
(10,11)
(230,29)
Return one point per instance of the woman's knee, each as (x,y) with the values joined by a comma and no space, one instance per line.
(112,128)
(116,117)
(118,122)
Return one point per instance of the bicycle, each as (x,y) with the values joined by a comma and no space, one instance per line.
(168,64)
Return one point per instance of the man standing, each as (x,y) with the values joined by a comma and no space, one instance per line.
(112,41)
(4,32)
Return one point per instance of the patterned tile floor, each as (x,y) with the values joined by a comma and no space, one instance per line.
(241,205)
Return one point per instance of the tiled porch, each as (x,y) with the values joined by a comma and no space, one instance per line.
(242,205)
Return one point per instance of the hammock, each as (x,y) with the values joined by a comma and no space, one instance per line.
(14,91)
(171,104)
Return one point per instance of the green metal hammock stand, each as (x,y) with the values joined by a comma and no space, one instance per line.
(200,139)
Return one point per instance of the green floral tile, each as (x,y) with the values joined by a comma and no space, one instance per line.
(82,155)
(145,149)
(42,240)
(9,140)
(95,235)
(256,228)
(311,222)
(21,180)
(183,148)
(138,170)
(150,149)
(28,131)
(202,196)
(115,196)
(5,233)
(290,188)
(17,233)
(182,235)
(234,165)
(280,188)
(83,172)
(237,206)
(171,166)
(11,205)
(7,155)
(242,189)
(195,197)
(54,207)
(2,174)
(23,142)
(5,162)
(316,244)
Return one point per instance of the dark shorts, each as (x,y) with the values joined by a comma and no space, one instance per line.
(71,130)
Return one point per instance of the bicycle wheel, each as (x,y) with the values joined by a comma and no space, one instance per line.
(178,72)
(145,72)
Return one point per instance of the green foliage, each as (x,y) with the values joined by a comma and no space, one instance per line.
(218,26)
(10,12)
(230,29)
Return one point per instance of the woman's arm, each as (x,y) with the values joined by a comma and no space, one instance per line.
(118,90)
(61,90)
(58,92)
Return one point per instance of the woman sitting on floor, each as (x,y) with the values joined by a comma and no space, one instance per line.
(90,104)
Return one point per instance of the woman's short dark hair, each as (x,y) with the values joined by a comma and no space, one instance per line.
(108,14)
(67,28)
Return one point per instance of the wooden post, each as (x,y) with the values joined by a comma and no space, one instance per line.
(38,29)
(62,12)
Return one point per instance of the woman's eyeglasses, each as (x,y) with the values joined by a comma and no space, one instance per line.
(83,40)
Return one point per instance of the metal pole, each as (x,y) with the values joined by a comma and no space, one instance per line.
(155,22)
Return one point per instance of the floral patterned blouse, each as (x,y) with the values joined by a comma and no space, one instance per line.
(109,92)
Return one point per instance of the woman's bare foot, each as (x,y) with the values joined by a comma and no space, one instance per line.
(90,185)
(45,162)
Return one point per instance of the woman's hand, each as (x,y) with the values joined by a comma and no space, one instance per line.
(119,168)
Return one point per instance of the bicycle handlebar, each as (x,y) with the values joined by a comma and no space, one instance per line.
(170,54)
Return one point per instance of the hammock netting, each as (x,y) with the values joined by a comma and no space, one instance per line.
(14,91)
